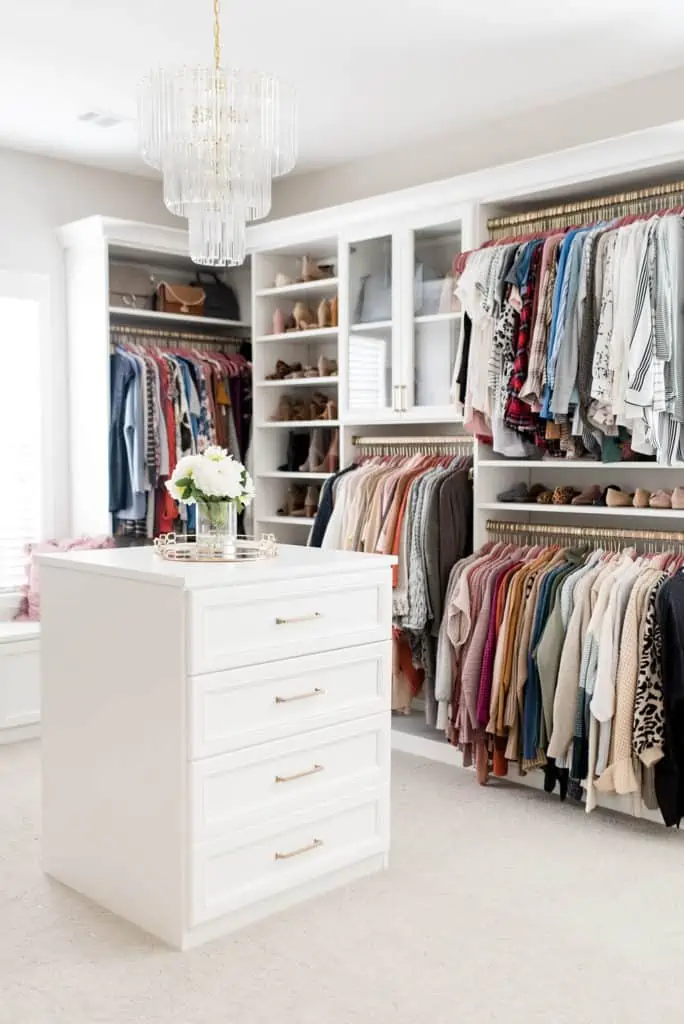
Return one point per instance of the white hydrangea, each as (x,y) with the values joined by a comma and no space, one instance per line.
(214,474)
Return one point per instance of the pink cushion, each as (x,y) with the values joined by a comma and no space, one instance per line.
(29,609)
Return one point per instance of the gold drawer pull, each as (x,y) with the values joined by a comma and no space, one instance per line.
(300,775)
(297,853)
(300,696)
(298,618)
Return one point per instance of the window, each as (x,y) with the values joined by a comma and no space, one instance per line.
(21,331)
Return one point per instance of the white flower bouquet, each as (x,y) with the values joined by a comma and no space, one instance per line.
(214,476)
(220,487)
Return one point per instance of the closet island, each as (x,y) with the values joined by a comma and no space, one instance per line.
(215,738)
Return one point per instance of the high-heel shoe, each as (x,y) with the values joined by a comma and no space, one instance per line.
(334,312)
(278,322)
(326,367)
(282,370)
(304,319)
(311,502)
(311,271)
(319,406)
(330,410)
(294,504)
(324,316)
(284,410)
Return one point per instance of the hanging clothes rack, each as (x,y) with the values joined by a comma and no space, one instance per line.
(155,336)
(457,445)
(607,536)
(621,204)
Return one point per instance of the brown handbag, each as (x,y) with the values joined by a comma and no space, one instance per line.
(180,298)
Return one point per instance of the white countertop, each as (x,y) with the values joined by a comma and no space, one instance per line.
(145,565)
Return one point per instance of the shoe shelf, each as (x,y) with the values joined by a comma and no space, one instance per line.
(283,294)
(288,520)
(628,511)
(327,286)
(314,334)
(298,382)
(297,424)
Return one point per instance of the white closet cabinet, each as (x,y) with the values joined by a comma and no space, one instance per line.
(216,738)
(403,320)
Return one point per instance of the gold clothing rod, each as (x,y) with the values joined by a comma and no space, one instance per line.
(497,526)
(585,210)
(412,442)
(170,336)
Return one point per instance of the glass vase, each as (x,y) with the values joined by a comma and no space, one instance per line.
(217,529)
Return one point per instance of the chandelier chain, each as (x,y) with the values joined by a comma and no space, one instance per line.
(217,34)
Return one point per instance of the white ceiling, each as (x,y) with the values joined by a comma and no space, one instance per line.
(372,74)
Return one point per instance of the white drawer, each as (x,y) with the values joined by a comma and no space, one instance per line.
(270,781)
(261,863)
(246,706)
(249,625)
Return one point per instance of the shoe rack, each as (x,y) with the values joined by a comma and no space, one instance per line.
(296,382)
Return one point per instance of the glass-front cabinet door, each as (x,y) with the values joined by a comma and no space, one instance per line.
(431,317)
(372,266)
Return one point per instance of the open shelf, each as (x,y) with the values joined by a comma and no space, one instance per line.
(586,510)
(372,325)
(296,424)
(315,334)
(294,475)
(288,520)
(327,286)
(590,464)
(126,313)
(437,318)
(298,382)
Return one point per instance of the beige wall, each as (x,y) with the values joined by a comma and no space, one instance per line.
(643,104)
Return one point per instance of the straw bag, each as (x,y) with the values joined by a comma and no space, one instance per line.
(180,298)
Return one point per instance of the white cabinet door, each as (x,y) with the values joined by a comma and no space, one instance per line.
(430,315)
(370,278)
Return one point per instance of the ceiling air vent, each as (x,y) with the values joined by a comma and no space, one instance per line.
(100,118)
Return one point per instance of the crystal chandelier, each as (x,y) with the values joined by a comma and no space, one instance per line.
(219,136)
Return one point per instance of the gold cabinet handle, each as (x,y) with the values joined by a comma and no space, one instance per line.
(298,618)
(297,853)
(317,768)
(318,692)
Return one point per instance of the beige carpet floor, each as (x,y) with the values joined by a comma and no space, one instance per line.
(500,905)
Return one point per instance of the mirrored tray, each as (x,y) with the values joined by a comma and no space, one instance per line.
(178,548)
